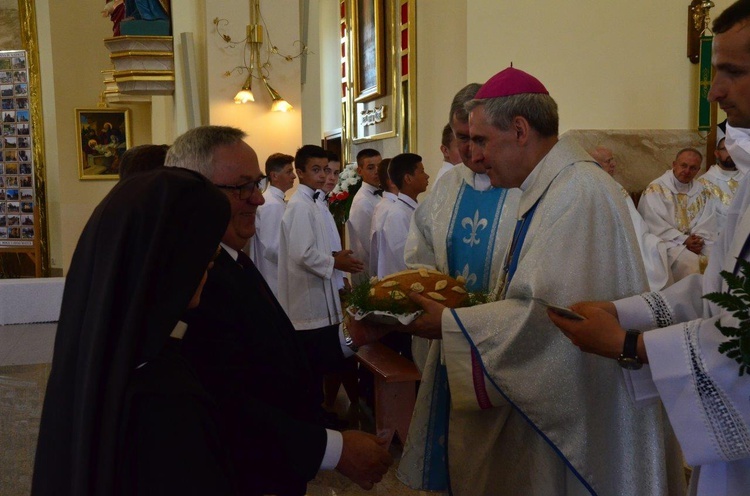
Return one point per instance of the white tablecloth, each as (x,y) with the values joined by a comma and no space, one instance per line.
(26,301)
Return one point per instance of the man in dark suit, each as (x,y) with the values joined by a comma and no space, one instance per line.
(248,355)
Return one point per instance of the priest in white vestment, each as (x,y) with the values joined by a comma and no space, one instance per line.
(674,207)
(363,205)
(390,195)
(265,244)
(653,249)
(707,401)
(450,151)
(564,423)
(307,291)
(721,181)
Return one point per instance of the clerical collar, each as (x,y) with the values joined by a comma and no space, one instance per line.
(408,200)
(231,251)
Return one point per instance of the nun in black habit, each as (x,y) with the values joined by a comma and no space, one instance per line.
(123,412)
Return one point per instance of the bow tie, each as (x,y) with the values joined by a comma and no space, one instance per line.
(316,195)
(378,192)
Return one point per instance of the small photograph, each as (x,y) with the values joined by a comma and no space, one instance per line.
(14,220)
(5,64)
(9,116)
(3,232)
(21,89)
(19,77)
(10,142)
(19,62)
(11,194)
(6,89)
(14,233)
(22,116)
(24,155)
(27,232)
(26,194)
(6,77)
(2,194)
(22,103)
(22,129)
(8,104)
(2,181)
(24,168)
(9,129)
(11,156)
(27,220)
(14,208)
(11,167)
(3,221)
(24,142)
(11,181)
(2,207)
(2,167)
(27,207)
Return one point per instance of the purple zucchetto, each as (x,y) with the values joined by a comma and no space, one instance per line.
(510,81)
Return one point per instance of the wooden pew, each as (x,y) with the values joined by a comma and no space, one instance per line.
(395,389)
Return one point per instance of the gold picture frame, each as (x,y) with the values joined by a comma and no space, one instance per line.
(368,34)
(103,136)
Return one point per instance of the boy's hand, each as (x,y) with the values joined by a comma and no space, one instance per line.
(345,262)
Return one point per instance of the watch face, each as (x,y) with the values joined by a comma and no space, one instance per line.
(629,363)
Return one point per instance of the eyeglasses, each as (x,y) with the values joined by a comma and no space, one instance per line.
(242,191)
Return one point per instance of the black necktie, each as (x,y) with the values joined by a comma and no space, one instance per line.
(244,260)
(378,192)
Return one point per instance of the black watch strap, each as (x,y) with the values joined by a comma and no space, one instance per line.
(629,358)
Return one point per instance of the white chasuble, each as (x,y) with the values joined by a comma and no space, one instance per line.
(673,215)
(565,424)
(720,186)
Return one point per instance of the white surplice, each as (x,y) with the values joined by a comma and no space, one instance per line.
(306,288)
(708,403)
(389,237)
(557,421)
(265,243)
(333,236)
(673,211)
(720,186)
(359,224)
(378,217)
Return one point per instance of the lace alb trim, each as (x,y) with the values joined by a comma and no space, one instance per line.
(661,314)
(729,430)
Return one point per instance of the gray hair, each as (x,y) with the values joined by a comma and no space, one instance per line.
(538,109)
(459,101)
(194,149)
(689,149)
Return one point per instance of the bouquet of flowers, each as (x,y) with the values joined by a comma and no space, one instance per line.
(340,199)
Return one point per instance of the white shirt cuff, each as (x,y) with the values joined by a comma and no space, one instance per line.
(334,446)
(342,340)
(634,313)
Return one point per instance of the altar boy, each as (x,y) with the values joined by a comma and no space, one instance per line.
(306,288)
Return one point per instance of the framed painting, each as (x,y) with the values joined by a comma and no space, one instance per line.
(368,31)
(103,135)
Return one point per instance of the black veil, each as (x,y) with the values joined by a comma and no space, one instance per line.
(137,264)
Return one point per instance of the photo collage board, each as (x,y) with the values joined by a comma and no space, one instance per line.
(16,158)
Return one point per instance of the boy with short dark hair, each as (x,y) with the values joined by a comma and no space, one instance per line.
(363,205)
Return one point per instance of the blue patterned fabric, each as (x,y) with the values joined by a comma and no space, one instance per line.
(472,234)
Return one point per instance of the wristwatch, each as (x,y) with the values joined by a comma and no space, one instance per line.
(348,341)
(629,358)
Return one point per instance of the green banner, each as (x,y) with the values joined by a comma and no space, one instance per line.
(704,106)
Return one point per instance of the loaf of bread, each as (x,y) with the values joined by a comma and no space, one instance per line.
(392,291)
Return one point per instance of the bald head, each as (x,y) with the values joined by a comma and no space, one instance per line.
(605,158)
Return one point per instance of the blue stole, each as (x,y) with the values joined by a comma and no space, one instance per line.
(472,233)
(519,236)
